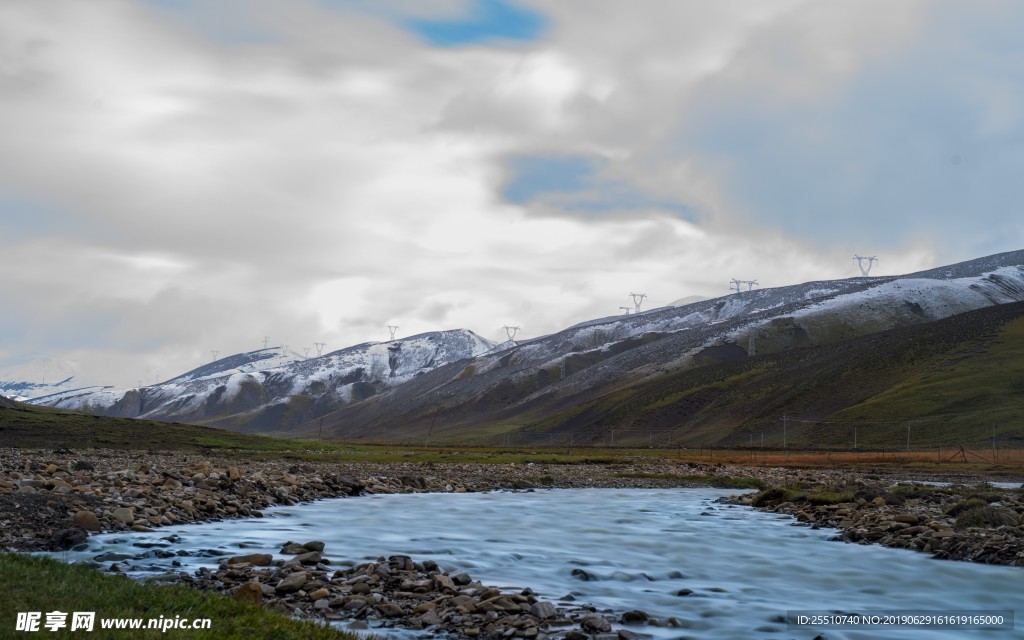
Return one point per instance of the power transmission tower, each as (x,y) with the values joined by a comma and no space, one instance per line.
(871,260)
(284,350)
(637,299)
(392,329)
(319,348)
(306,350)
(625,309)
(511,332)
(214,354)
(266,341)
(737,285)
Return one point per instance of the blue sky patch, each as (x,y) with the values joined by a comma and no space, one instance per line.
(486,21)
(571,183)
(534,176)
(22,218)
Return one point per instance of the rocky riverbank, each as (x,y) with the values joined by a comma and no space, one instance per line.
(400,592)
(52,500)
(975,523)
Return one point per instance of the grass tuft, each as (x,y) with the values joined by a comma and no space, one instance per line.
(34,583)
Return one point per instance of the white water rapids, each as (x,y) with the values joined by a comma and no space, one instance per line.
(618,550)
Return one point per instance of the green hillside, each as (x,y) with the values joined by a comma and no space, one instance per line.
(950,381)
(30,426)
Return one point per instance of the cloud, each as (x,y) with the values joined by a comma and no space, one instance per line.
(177,177)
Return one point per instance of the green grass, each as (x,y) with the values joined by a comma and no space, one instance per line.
(986,516)
(31,583)
(29,426)
(968,389)
(818,496)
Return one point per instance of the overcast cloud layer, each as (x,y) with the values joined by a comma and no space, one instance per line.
(179,176)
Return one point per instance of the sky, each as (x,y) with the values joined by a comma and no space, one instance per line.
(184,176)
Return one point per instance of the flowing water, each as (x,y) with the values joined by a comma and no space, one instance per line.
(618,550)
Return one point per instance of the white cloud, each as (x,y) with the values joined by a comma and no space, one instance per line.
(313,171)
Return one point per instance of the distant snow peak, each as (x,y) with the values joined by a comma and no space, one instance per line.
(682,302)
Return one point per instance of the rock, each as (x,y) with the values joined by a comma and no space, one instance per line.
(249,592)
(462,579)
(319,594)
(390,610)
(466,603)
(543,610)
(67,538)
(582,574)
(635,617)
(234,475)
(87,520)
(314,545)
(684,592)
(425,607)
(632,635)
(497,603)
(312,557)
(293,548)
(123,514)
(443,583)
(361,588)
(255,559)
(879,501)
(292,582)
(594,623)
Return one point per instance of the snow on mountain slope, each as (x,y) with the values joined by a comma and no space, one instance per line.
(266,390)
(597,353)
(239,363)
(862,304)
(37,377)
(239,387)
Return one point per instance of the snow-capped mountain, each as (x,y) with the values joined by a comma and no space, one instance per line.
(455,379)
(266,388)
(519,383)
(37,377)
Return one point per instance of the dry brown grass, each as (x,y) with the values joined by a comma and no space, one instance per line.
(1009,462)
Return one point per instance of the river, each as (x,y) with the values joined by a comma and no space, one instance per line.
(618,550)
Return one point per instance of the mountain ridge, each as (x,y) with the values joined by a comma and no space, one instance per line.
(463,384)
